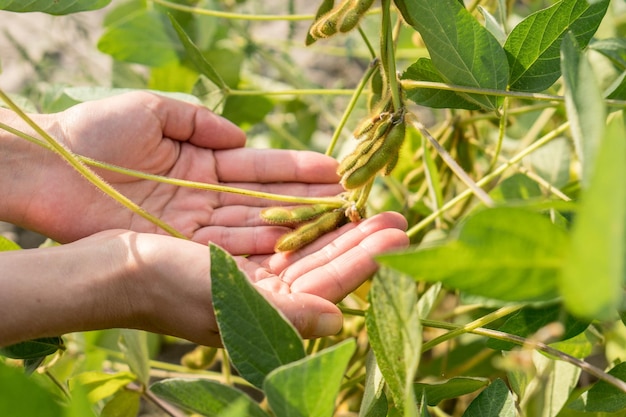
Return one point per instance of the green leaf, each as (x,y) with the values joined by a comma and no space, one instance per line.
(529,320)
(247,110)
(617,89)
(612,48)
(550,388)
(495,401)
(584,104)
(100,385)
(123,404)
(33,349)
(592,279)
(505,254)
(604,397)
(134,344)
(452,388)
(57,7)
(394,330)
(533,46)
(374,403)
(22,396)
(256,335)
(462,50)
(140,38)
(203,396)
(309,387)
(7,244)
(196,57)
(423,70)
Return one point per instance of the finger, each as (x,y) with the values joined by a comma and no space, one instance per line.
(334,280)
(258,240)
(275,165)
(328,247)
(288,189)
(312,316)
(185,121)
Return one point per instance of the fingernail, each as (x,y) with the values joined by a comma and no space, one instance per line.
(328,324)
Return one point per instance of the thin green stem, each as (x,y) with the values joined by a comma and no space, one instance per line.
(455,167)
(481,322)
(183,183)
(501,132)
(387,54)
(368,44)
(351,105)
(533,344)
(293,92)
(234,16)
(490,177)
(87,173)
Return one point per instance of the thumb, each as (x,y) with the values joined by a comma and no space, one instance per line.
(311,315)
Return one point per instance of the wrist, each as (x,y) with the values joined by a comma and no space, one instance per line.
(24,166)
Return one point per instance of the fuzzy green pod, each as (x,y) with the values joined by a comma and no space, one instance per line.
(353,16)
(309,232)
(325,7)
(363,151)
(327,25)
(387,153)
(294,215)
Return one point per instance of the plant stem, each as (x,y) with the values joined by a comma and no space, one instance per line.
(411,84)
(234,16)
(455,167)
(88,174)
(293,92)
(488,178)
(183,183)
(387,54)
(536,345)
(353,100)
(493,316)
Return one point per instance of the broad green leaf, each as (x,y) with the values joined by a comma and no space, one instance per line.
(583,101)
(617,90)
(203,396)
(592,279)
(7,244)
(100,385)
(529,320)
(533,46)
(495,401)
(505,254)
(462,50)
(604,397)
(33,349)
(374,403)
(247,110)
(256,335)
(195,55)
(141,38)
(516,188)
(423,70)
(394,330)
(612,48)
(22,396)
(56,7)
(123,404)
(309,387)
(134,344)
(550,388)
(451,388)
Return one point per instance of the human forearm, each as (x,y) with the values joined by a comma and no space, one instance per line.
(53,291)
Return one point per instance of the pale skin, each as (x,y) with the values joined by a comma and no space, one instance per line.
(117,270)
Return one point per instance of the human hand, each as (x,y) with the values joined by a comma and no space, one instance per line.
(160,135)
(304,285)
